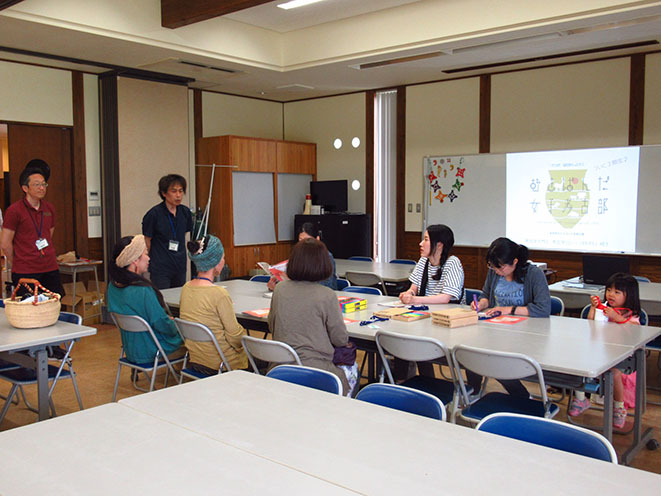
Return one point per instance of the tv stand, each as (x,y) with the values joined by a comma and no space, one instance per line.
(345,234)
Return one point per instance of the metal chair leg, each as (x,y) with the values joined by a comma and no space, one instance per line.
(12,392)
(114,392)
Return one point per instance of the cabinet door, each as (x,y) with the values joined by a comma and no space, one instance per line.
(254,155)
(297,158)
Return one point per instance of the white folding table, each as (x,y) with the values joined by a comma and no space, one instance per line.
(371,449)
(113,449)
(35,341)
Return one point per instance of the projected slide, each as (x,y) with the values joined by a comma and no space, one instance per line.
(573,199)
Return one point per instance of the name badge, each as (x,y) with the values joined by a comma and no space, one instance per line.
(41,244)
(173,245)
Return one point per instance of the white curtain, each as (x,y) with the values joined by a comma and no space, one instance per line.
(385,153)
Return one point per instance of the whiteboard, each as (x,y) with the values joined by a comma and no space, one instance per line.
(292,189)
(473,193)
(466,193)
(252,201)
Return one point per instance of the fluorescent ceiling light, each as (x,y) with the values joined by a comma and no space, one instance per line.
(296,3)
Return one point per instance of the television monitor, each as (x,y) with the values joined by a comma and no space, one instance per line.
(332,195)
(598,268)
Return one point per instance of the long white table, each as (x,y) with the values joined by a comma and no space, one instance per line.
(35,341)
(113,449)
(576,347)
(371,449)
(576,298)
(389,272)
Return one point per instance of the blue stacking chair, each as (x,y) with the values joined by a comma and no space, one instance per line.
(260,278)
(307,376)
(198,333)
(342,283)
(500,365)
(550,433)
(420,349)
(362,259)
(403,261)
(364,290)
(557,306)
(404,399)
(470,293)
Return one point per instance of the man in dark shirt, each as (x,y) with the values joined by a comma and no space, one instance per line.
(27,234)
(164,227)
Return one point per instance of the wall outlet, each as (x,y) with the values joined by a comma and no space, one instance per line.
(95,211)
(410,207)
(418,208)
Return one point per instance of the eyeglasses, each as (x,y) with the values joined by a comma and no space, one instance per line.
(40,185)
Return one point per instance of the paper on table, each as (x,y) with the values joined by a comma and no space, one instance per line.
(506,319)
(261,312)
(392,304)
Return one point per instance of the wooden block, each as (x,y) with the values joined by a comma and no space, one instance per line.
(411,315)
(454,317)
(389,313)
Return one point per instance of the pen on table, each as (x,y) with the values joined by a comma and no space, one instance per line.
(475,301)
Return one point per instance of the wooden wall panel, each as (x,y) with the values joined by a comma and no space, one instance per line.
(299,158)
(567,264)
(253,155)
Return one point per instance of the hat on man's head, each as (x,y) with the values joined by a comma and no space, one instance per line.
(34,166)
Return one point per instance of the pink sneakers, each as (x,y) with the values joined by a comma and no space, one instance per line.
(578,406)
(619,417)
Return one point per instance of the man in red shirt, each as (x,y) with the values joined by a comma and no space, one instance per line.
(27,233)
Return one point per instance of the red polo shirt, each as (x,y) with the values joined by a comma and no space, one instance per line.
(30,224)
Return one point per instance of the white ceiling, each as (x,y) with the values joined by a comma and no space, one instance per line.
(270,16)
(30,26)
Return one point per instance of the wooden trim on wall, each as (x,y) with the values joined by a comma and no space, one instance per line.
(636,99)
(197,118)
(109,122)
(485,114)
(369,154)
(400,216)
(79,177)
(567,264)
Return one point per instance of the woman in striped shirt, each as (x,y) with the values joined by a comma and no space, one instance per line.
(437,277)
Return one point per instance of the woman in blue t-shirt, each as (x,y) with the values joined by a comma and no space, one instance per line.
(514,286)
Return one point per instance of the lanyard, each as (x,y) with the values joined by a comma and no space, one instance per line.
(41,226)
(205,278)
(622,311)
(174,231)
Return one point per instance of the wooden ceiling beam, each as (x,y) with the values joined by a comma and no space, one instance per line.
(5,4)
(176,13)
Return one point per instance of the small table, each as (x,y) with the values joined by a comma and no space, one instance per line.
(36,340)
(73,268)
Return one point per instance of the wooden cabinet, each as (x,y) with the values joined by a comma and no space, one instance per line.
(242,154)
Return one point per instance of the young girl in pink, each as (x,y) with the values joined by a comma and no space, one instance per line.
(622,305)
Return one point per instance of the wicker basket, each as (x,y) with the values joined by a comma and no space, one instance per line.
(28,314)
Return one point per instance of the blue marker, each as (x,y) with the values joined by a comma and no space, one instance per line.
(477,309)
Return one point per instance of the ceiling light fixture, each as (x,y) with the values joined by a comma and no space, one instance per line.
(296,3)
